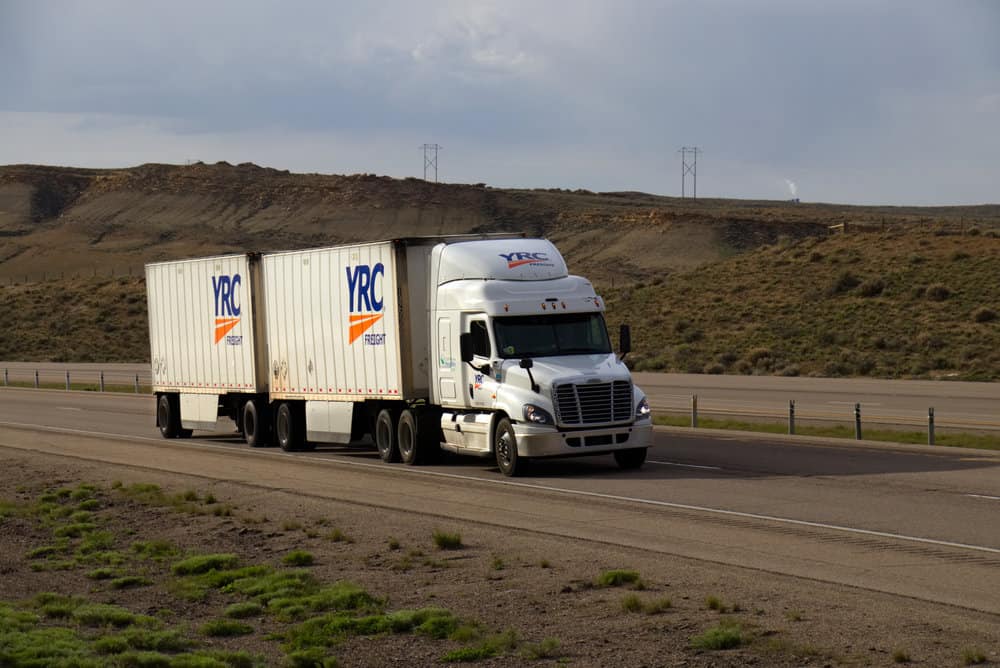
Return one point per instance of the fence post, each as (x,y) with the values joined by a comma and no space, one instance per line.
(857,421)
(102,381)
(36,379)
(930,426)
(694,410)
(6,377)
(791,416)
(67,380)
(137,383)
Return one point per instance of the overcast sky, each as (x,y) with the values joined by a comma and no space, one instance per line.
(854,101)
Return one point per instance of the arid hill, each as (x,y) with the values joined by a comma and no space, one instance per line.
(730,286)
(64,221)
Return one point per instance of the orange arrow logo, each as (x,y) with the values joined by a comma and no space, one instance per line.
(360,323)
(223,326)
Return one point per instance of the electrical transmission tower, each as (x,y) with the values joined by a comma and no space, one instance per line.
(689,153)
(431,159)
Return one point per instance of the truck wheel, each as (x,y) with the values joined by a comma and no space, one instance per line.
(256,423)
(168,418)
(385,436)
(408,439)
(630,459)
(289,428)
(505,447)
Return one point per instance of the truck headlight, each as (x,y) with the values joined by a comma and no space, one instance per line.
(642,410)
(537,415)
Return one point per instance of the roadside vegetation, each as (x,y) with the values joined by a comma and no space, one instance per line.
(953,438)
(113,590)
(905,303)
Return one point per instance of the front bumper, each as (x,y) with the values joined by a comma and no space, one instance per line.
(541,441)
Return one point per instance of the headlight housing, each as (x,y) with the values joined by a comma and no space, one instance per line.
(642,410)
(536,415)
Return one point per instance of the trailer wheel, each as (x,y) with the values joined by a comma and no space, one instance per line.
(632,458)
(505,448)
(168,417)
(256,423)
(289,428)
(385,436)
(408,438)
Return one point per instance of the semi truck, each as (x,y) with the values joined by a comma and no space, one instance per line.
(472,344)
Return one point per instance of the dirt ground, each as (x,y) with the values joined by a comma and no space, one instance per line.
(540,587)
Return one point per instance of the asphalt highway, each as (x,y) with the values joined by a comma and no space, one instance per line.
(913,520)
(890,402)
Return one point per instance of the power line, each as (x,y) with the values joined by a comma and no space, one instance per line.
(689,168)
(431,159)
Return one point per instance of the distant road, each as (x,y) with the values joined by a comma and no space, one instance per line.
(899,402)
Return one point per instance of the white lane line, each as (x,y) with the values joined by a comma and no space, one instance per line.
(543,488)
(69,408)
(984,496)
(687,466)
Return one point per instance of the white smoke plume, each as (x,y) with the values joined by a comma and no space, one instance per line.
(792,188)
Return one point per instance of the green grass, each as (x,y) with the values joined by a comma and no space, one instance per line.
(447,541)
(225,628)
(298,558)
(901,656)
(100,614)
(546,649)
(204,563)
(617,578)
(244,610)
(949,439)
(155,550)
(130,582)
(633,603)
(338,536)
(490,647)
(973,657)
(723,636)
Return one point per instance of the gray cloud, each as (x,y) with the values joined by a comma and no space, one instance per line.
(850,101)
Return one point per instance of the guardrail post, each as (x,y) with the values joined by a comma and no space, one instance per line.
(857,421)
(67,380)
(36,379)
(694,410)
(102,381)
(791,416)
(930,426)
(137,383)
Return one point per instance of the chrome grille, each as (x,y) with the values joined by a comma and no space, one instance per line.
(593,403)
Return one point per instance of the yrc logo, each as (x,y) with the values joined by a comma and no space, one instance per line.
(365,301)
(227,307)
(519,258)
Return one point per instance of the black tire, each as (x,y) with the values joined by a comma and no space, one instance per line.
(385,436)
(289,427)
(408,438)
(257,423)
(630,459)
(505,448)
(168,417)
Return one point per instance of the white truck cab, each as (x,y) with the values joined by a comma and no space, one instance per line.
(523,365)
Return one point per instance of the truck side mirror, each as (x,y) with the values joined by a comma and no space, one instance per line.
(526,363)
(465,347)
(625,340)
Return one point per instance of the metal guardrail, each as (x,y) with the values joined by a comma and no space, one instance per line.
(98,379)
(792,415)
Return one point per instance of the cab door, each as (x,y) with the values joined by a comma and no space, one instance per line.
(480,388)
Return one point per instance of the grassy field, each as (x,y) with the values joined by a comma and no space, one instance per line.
(901,304)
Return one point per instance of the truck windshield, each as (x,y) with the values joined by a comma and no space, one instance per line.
(549,335)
